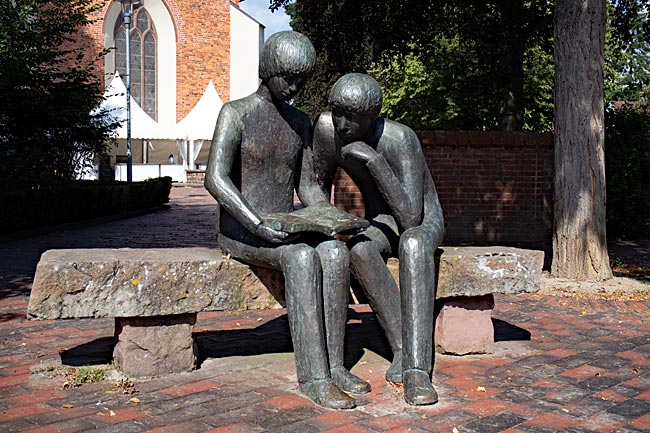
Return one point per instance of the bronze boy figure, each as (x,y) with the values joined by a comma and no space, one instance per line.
(254,164)
(385,160)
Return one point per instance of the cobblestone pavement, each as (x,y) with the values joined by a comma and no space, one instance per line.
(561,364)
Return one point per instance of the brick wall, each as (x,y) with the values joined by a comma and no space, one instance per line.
(203,50)
(494,187)
(195,177)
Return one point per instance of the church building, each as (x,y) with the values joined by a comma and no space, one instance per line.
(186,59)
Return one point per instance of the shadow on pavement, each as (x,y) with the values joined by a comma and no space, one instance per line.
(362,333)
(96,352)
(504,331)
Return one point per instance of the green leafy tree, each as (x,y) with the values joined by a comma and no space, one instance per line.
(461,64)
(350,35)
(627,51)
(473,51)
(437,89)
(48,93)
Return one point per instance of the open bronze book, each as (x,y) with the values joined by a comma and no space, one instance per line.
(321,218)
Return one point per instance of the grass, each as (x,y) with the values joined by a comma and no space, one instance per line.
(80,376)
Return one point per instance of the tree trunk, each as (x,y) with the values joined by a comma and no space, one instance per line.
(579,238)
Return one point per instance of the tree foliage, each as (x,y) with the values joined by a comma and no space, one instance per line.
(47,93)
(461,64)
(627,51)
(477,50)
(420,93)
(350,35)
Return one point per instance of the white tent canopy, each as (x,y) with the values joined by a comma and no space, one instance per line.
(142,126)
(199,124)
(189,133)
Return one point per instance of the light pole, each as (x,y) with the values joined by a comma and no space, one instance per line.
(127,14)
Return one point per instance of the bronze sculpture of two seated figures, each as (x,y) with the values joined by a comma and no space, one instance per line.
(264,149)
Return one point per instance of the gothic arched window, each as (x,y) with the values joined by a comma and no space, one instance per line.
(143,58)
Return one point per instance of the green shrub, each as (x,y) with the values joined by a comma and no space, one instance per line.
(627,162)
(78,200)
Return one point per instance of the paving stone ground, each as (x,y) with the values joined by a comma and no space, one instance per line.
(561,364)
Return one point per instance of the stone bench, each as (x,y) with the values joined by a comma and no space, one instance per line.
(155,294)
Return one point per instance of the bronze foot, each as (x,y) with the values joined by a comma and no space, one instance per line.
(394,372)
(324,393)
(348,382)
(418,389)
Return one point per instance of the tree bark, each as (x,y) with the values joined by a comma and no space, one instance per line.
(579,239)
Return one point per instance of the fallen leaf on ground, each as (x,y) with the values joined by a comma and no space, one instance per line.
(134,400)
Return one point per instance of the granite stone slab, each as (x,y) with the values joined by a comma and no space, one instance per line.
(80,283)
(476,271)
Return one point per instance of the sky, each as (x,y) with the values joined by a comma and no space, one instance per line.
(259,9)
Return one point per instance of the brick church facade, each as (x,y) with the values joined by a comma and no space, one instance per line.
(177,49)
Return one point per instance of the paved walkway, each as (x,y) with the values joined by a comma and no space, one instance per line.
(561,365)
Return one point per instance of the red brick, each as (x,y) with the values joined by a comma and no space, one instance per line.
(184,427)
(24,411)
(14,380)
(584,372)
(644,396)
(490,406)
(638,382)
(118,415)
(190,388)
(601,423)
(405,429)
(36,397)
(642,422)
(67,426)
(332,419)
(552,422)
(236,428)
(17,369)
(287,401)
(637,357)
(201,55)
(349,429)
(386,422)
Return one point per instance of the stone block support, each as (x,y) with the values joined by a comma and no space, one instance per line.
(464,325)
(155,346)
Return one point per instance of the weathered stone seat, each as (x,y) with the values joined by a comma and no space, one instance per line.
(155,294)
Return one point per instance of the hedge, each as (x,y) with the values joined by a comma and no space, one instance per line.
(78,200)
(627,162)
